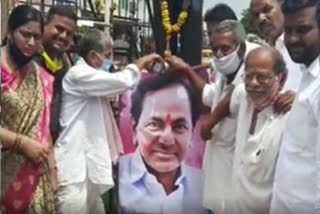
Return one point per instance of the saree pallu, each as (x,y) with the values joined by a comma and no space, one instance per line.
(25,102)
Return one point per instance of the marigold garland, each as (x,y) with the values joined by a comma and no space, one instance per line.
(54,65)
(166,23)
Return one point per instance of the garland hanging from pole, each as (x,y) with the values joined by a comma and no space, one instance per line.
(168,27)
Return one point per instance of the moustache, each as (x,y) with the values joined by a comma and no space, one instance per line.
(254,91)
(295,47)
(265,25)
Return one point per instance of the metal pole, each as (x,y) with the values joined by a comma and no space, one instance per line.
(119,7)
(42,7)
(107,11)
(126,8)
(4,17)
(138,6)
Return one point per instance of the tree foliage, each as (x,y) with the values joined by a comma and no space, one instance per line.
(252,34)
(247,22)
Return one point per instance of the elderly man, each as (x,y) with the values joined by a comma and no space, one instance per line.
(89,131)
(229,49)
(296,187)
(155,178)
(258,133)
(214,16)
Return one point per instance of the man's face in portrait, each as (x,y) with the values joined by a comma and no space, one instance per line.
(164,130)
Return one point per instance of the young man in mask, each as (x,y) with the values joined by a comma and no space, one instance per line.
(89,135)
(229,49)
(296,187)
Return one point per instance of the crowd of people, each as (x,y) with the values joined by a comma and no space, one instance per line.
(60,140)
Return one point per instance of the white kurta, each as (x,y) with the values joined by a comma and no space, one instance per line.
(255,155)
(89,140)
(219,150)
(297,178)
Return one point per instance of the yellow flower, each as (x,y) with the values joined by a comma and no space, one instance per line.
(167,54)
(175,28)
(166,23)
(53,65)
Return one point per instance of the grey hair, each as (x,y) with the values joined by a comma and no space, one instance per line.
(279,65)
(231,26)
(95,40)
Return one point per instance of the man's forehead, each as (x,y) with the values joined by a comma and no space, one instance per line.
(174,98)
(223,37)
(305,16)
(259,67)
(58,18)
(261,58)
(256,5)
(178,91)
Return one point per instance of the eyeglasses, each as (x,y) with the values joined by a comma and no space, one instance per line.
(261,78)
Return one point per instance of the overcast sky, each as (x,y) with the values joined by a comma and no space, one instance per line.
(236,5)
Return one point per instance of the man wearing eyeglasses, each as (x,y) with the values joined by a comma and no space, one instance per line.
(258,132)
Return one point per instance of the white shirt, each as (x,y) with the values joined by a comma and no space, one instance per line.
(294,72)
(254,157)
(90,140)
(140,192)
(219,150)
(297,179)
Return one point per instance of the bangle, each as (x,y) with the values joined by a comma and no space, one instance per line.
(13,147)
(19,139)
(17,142)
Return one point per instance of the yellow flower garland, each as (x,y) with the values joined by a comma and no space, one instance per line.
(53,65)
(168,28)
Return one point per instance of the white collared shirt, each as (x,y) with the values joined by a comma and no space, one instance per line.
(254,157)
(218,155)
(294,72)
(297,178)
(140,192)
(90,140)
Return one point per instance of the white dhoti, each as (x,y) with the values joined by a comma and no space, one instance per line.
(80,198)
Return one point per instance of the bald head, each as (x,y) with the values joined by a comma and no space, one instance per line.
(265,75)
(267,56)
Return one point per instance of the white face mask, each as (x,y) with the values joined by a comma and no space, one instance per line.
(227,64)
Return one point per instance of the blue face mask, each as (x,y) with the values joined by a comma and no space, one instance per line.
(107,66)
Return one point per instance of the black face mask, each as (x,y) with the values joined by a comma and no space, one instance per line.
(18,57)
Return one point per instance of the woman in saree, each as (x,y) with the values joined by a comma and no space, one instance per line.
(25,100)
